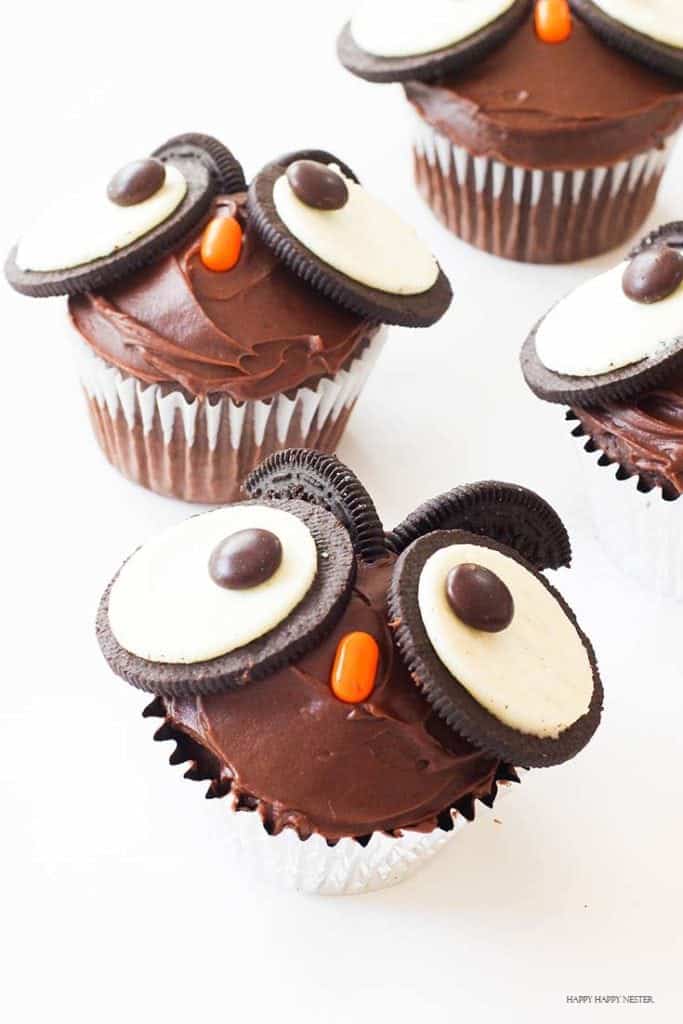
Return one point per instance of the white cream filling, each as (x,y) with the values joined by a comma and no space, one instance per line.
(406,28)
(534,676)
(365,240)
(597,328)
(86,225)
(661,20)
(165,607)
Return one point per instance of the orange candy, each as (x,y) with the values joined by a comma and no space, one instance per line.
(553,20)
(221,243)
(355,668)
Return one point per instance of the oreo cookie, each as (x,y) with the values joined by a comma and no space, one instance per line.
(413,310)
(311,476)
(207,167)
(507,513)
(428,66)
(449,698)
(599,391)
(656,54)
(224,168)
(299,633)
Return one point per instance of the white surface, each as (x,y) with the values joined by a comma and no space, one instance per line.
(402,28)
(365,239)
(86,225)
(535,675)
(165,606)
(597,327)
(118,900)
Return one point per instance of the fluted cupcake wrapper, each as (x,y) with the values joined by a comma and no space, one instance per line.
(350,866)
(640,531)
(536,216)
(201,450)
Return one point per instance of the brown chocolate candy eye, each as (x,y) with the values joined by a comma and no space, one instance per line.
(317,185)
(479,598)
(653,274)
(245,559)
(136,182)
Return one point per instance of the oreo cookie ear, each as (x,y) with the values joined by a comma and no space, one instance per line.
(322,480)
(506,513)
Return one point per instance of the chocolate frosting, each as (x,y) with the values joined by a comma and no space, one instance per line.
(644,435)
(287,746)
(565,106)
(252,332)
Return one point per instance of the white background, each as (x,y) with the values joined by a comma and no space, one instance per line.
(118,902)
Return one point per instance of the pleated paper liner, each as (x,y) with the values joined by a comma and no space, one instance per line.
(535,216)
(201,450)
(639,528)
(312,865)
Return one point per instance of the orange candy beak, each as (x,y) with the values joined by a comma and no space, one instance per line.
(553,20)
(355,668)
(221,244)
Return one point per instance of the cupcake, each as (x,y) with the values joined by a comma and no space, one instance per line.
(541,133)
(214,324)
(353,693)
(612,351)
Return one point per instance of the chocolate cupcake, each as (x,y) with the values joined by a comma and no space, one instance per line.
(541,132)
(353,693)
(216,323)
(612,352)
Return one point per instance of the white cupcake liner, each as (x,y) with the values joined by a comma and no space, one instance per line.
(641,533)
(201,449)
(533,214)
(311,866)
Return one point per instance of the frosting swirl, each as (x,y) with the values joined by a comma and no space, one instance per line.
(576,104)
(287,746)
(644,435)
(251,332)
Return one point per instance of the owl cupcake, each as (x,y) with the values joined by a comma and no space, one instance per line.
(351,693)
(215,323)
(542,129)
(612,352)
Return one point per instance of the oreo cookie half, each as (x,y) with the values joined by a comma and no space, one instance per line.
(658,55)
(599,391)
(299,633)
(410,310)
(207,167)
(321,480)
(225,169)
(449,698)
(615,385)
(427,66)
(507,513)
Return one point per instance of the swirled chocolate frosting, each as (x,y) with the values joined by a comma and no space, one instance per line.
(286,746)
(643,435)
(532,104)
(251,332)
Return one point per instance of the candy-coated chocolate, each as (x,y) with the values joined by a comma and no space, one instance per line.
(553,20)
(317,185)
(653,274)
(221,244)
(355,667)
(245,559)
(136,182)
(479,598)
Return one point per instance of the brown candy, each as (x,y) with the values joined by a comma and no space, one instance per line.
(653,274)
(136,182)
(245,559)
(479,598)
(317,185)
